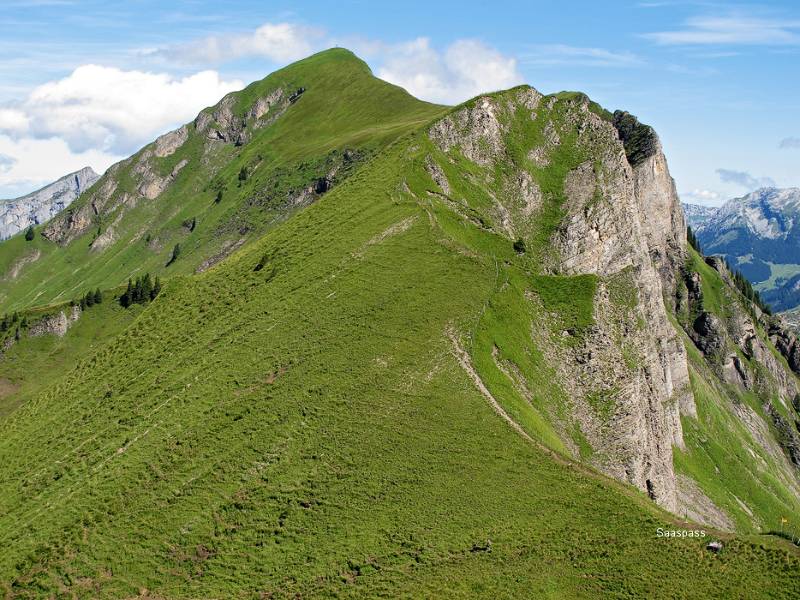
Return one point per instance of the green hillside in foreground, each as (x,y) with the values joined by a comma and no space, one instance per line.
(312,417)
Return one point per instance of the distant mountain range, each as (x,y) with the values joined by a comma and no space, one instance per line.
(40,206)
(697,215)
(759,234)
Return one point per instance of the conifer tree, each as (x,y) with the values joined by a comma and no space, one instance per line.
(147,288)
(127,297)
(692,239)
(156,288)
(176,252)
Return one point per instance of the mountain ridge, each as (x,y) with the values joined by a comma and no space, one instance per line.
(345,403)
(239,168)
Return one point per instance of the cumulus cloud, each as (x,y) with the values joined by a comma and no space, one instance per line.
(701,196)
(27,163)
(12,120)
(111,110)
(731,29)
(744,179)
(464,69)
(789,142)
(460,71)
(278,42)
(97,115)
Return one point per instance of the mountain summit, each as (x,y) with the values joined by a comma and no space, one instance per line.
(394,349)
(222,180)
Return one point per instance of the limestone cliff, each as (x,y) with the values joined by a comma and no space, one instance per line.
(590,195)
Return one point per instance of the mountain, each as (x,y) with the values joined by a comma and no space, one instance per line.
(760,235)
(40,206)
(477,359)
(217,183)
(697,215)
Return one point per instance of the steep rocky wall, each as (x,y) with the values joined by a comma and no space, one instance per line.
(590,194)
(631,358)
(620,225)
(55,324)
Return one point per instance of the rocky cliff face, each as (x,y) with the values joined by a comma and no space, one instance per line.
(622,224)
(42,205)
(143,177)
(613,216)
(55,324)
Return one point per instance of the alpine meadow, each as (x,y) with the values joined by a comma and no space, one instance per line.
(330,340)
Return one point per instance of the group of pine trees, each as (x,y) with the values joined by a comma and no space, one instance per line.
(692,239)
(89,299)
(141,291)
(14,322)
(741,282)
(747,290)
(9,321)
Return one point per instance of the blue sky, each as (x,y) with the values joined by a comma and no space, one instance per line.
(88,82)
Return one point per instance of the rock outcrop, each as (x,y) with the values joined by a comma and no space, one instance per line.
(55,324)
(42,205)
(144,176)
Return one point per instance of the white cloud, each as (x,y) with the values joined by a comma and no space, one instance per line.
(733,29)
(111,110)
(562,55)
(702,197)
(465,68)
(13,120)
(279,42)
(31,163)
(462,70)
(98,114)
(744,179)
(789,142)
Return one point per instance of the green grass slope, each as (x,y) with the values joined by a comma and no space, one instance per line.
(344,109)
(33,363)
(308,429)
(722,455)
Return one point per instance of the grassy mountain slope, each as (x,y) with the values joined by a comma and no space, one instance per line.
(33,363)
(308,429)
(359,403)
(723,454)
(282,153)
